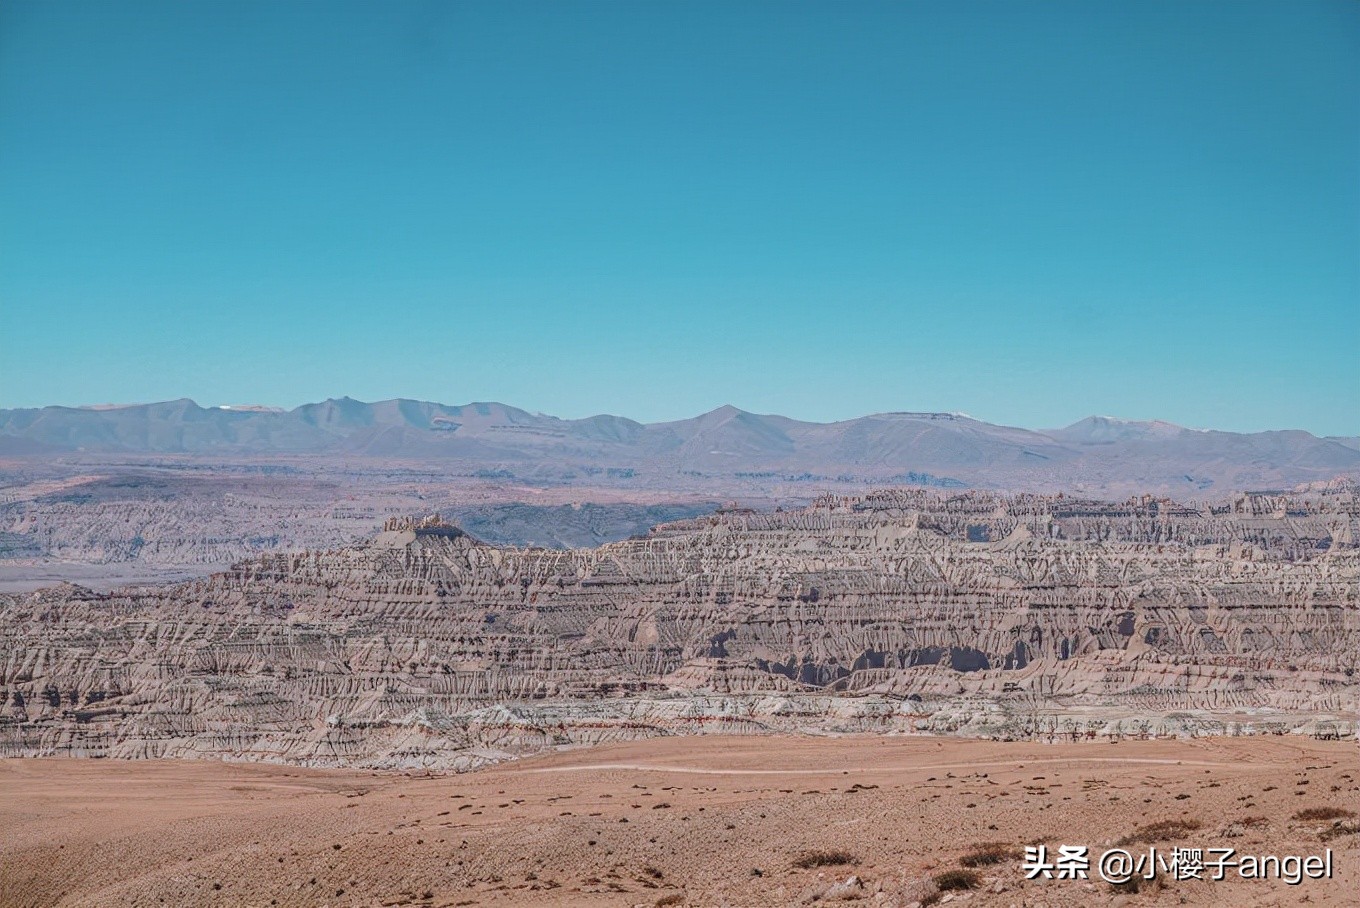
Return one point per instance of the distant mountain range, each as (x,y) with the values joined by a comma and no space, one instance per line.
(500,441)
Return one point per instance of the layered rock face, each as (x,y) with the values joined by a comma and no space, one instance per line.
(895,611)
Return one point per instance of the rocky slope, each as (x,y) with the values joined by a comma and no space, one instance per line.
(894,611)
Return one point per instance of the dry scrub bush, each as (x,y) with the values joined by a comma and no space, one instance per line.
(956,879)
(1159,832)
(1324,813)
(985,854)
(810,859)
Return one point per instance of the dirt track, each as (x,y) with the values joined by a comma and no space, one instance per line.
(693,819)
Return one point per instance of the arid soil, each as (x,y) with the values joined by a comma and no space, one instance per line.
(682,821)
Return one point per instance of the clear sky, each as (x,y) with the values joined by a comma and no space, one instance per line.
(1030,212)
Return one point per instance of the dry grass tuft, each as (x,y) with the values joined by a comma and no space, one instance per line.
(1159,832)
(810,859)
(1324,813)
(956,879)
(985,854)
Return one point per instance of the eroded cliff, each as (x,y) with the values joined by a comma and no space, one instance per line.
(895,611)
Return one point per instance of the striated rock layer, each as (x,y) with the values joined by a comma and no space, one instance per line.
(897,611)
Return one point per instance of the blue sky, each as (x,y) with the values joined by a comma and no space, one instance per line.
(1030,212)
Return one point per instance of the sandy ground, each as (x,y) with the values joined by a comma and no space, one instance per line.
(697,821)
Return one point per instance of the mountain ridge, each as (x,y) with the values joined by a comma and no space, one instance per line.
(1097,451)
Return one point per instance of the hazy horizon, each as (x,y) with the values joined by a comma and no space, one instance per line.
(1029,213)
(245,406)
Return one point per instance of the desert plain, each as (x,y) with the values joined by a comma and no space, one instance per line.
(680,821)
